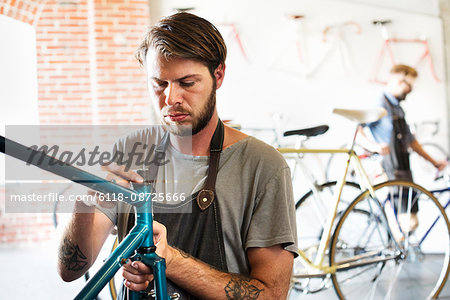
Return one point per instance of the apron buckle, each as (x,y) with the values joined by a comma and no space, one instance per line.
(205,198)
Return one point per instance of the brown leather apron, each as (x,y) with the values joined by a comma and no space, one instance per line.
(396,163)
(198,233)
(399,155)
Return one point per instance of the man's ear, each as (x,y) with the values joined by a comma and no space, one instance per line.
(219,74)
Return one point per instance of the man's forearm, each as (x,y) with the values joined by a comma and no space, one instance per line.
(206,282)
(417,147)
(75,250)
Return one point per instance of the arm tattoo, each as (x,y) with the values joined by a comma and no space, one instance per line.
(237,288)
(240,288)
(187,255)
(71,256)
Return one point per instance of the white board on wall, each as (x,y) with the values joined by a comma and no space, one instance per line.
(18,73)
(18,77)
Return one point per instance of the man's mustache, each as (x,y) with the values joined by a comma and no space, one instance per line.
(174,111)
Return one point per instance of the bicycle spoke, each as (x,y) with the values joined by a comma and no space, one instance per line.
(416,270)
(393,281)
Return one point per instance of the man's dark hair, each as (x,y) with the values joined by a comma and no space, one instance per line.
(184,35)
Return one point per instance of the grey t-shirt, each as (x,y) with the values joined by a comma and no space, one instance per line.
(253,188)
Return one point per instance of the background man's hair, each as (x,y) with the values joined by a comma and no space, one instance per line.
(404,70)
(184,35)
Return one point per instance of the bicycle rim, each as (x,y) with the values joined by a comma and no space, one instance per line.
(418,271)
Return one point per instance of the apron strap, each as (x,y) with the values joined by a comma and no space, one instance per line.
(206,196)
(399,155)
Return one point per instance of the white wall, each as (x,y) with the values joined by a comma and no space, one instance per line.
(18,77)
(271,81)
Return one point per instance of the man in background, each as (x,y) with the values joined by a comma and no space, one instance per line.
(392,136)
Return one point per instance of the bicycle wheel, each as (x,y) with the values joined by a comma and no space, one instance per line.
(311,213)
(376,259)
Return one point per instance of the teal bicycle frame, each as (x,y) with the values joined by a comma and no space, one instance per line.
(139,240)
(138,245)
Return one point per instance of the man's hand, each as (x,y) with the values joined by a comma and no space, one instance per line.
(118,175)
(382,149)
(438,164)
(441,164)
(137,275)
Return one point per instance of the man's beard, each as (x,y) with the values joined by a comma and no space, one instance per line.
(200,122)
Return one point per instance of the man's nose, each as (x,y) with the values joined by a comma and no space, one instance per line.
(173,94)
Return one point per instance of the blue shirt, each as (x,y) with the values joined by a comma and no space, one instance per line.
(383,128)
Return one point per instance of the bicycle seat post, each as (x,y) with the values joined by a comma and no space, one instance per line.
(381,24)
(300,140)
(352,145)
(145,211)
(360,116)
(147,250)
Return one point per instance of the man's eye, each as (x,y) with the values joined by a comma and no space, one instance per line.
(187,83)
(158,84)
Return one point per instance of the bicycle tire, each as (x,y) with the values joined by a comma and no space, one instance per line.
(310,226)
(414,268)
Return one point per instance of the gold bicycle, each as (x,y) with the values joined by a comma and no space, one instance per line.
(368,250)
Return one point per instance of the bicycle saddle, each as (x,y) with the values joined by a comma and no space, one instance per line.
(381,22)
(313,131)
(361,115)
(296,17)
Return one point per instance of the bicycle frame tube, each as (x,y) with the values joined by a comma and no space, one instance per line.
(140,237)
(325,238)
(326,234)
(113,264)
(63,169)
(362,175)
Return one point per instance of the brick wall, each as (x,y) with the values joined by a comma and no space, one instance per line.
(24,228)
(87,74)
